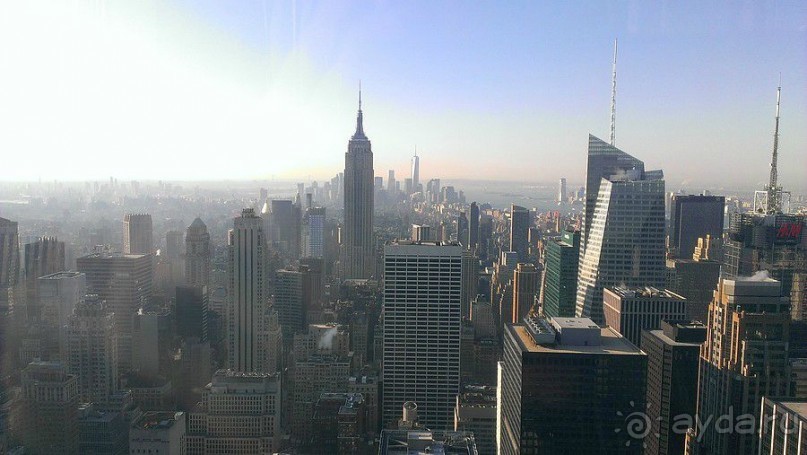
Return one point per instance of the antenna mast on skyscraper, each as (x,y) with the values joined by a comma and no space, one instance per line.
(773,189)
(772,199)
(613,98)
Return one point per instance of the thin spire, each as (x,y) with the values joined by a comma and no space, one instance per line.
(613,98)
(359,134)
(774,192)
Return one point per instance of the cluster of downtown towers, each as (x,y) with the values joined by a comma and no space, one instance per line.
(568,365)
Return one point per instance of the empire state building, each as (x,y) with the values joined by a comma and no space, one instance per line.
(357,256)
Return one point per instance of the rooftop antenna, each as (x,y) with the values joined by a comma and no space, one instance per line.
(360,94)
(613,98)
(774,191)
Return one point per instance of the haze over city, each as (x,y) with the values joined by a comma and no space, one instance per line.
(482,91)
(386,228)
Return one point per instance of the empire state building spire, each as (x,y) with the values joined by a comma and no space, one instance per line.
(359,134)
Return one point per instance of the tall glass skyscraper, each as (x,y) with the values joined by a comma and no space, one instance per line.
(519,231)
(624,241)
(560,278)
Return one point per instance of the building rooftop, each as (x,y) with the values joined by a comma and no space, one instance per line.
(112,255)
(363,379)
(643,292)
(407,242)
(669,341)
(610,341)
(478,396)
(157,420)
(60,275)
(796,407)
(422,442)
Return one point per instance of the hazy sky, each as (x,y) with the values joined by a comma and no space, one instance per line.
(202,89)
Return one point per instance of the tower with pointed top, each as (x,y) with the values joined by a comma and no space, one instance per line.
(357,258)
(415,171)
(623,237)
(197,254)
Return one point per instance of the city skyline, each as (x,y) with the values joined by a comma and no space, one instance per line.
(183,79)
(193,261)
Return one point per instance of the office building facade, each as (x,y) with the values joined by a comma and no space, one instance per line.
(138,235)
(197,254)
(624,240)
(92,350)
(560,276)
(519,232)
(124,282)
(547,399)
(744,358)
(422,317)
(525,289)
(693,217)
(246,304)
(672,382)
(630,310)
(240,414)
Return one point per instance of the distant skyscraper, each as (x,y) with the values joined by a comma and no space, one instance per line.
(314,233)
(289,301)
(43,257)
(91,350)
(624,244)
(415,171)
(247,304)
(775,243)
(560,278)
(59,293)
(282,227)
(744,358)
(630,310)
(422,288)
(519,232)
(358,245)
(473,226)
(525,288)
(124,282)
(462,229)
(391,182)
(554,396)
(693,217)
(50,409)
(486,250)
(9,260)
(696,281)
(191,312)
(470,281)
(138,237)
(604,161)
(197,254)
(562,190)
(672,382)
